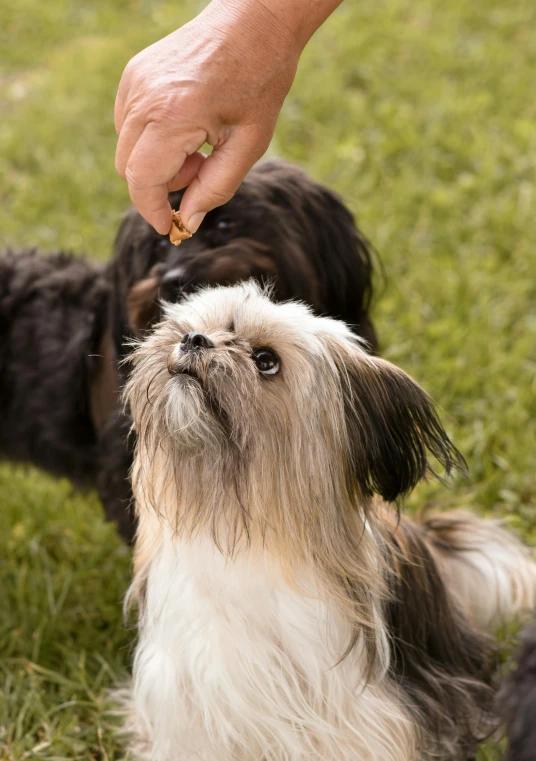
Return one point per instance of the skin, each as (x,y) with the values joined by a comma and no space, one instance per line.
(221,79)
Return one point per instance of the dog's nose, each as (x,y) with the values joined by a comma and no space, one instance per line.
(195,341)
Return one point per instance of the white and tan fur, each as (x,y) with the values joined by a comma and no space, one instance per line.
(275,590)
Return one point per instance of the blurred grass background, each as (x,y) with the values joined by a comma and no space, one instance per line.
(422,115)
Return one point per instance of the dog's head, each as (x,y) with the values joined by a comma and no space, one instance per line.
(234,394)
(281,227)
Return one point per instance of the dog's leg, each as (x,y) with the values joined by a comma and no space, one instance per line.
(487,570)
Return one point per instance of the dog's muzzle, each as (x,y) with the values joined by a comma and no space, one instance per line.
(173,284)
(192,344)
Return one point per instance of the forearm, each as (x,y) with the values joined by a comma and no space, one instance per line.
(295,20)
(302,17)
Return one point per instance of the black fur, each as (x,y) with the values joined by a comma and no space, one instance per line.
(52,315)
(113,480)
(442,664)
(438,659)
(393,425)
(517,701)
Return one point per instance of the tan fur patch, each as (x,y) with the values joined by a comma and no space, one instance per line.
(104,390)
(142,304)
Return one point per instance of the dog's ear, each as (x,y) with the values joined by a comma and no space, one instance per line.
(133,249)
(392,425)
(343,260)
(143,308)
(134,302)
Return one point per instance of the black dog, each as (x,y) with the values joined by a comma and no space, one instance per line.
(66,323)
(53,312)
(518,701)
(281,226)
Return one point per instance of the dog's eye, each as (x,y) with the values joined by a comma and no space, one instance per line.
(266,360)
(217,232)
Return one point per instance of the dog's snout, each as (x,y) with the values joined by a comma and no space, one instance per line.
(174,276)
(172,284)
(194,341)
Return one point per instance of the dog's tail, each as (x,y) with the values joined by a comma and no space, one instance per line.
(489,573)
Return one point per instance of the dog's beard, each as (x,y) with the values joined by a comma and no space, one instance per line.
(211,397)
(189,419)
(193,427)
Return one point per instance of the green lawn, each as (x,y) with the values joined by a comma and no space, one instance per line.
(422,114)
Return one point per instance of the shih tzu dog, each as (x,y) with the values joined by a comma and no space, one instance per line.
(286,611)
(517,701)
(65,322)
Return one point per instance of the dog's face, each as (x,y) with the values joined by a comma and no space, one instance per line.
(235,392)
(281,227)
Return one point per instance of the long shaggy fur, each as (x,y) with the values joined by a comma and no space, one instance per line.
(65,322)
(286,613)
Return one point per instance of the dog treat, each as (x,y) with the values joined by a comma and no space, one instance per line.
(178,230)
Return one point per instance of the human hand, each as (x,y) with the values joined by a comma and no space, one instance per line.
(220,79)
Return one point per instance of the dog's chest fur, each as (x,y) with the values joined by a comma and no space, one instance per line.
(234,664)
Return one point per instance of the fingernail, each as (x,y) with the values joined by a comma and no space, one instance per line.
(195,220)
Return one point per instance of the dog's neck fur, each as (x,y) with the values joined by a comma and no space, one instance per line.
(247,634)
(222,626)
(342,549)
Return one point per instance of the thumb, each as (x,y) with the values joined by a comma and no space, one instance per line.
(220,175)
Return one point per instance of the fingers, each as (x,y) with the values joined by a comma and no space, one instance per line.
(158,163)
(152,203)
(220,175)
(187,172)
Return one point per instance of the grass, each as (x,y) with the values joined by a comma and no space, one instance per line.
(421,114)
